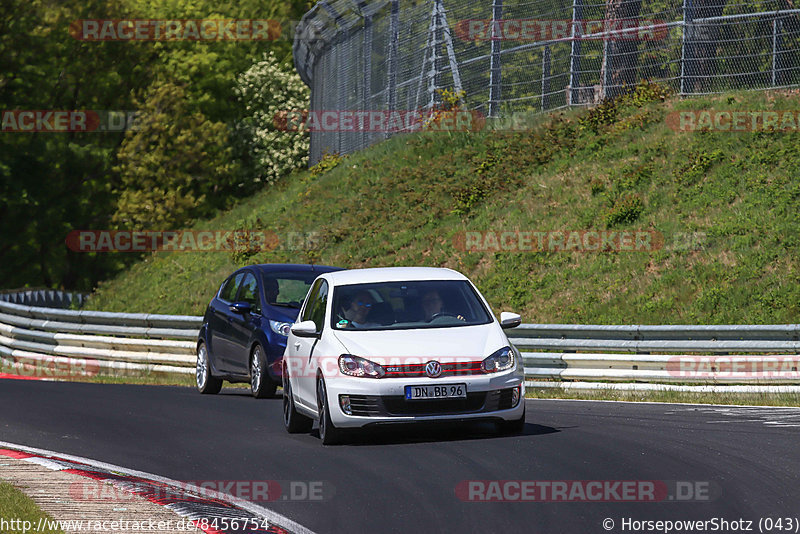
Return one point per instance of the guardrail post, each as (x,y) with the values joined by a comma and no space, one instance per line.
(495,61)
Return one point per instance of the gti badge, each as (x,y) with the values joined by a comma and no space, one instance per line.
(433,369)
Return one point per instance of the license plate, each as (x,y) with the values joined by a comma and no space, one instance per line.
(439,391)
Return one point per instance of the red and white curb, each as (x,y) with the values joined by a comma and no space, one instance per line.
(188,501)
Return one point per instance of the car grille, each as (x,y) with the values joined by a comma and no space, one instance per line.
(397,405)
(413,370)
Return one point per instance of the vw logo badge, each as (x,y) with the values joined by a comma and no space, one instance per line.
(433,369)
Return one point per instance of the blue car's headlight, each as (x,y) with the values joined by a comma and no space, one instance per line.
(502,360)
(280,328)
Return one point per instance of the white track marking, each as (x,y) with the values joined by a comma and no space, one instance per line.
(273,517)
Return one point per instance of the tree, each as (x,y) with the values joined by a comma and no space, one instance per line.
(268,90)
(170,162)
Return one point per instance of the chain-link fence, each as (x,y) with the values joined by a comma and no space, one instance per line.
(507,56)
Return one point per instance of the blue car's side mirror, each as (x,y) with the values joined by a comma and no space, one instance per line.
(240,307)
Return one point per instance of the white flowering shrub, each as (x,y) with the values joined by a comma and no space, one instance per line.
(268,91)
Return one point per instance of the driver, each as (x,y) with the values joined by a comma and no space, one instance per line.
(432,304)
(271,290)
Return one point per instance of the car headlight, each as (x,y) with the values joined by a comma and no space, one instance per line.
(280,328)
(356,366)
(502,360)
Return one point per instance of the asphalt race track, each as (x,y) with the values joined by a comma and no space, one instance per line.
(405,479)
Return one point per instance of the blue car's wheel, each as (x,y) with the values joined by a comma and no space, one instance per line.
(260,384)
(206,383)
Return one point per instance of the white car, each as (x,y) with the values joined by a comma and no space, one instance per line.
(396,345)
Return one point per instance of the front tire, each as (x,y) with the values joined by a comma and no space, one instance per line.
(206,383)
(293,421)
(515,427)
(260,384)
(329,434)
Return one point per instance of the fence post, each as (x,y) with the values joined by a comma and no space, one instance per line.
(341,90)
(495,66)
(366,97)
(394,22)
(575,53)
(688,31)
(776,45)
(438,57)
(545,77)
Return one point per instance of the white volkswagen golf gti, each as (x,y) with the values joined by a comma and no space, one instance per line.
(396,345)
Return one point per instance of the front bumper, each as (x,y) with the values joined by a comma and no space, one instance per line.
(378,401)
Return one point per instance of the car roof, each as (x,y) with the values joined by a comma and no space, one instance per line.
(392,274)
(301,267)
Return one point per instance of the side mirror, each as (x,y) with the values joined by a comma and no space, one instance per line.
(305,329)
(510,320)
(240,307)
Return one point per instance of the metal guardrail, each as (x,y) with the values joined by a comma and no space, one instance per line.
(54,342)
(58,343)
(665,354)
(49,298)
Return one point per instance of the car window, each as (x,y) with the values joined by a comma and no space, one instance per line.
(320,303)
(316,304)
(286,288)
(312,297)
(248,292)
(405,305)
(231,287)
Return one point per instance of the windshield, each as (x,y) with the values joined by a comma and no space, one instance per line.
(287,289)
(407,305)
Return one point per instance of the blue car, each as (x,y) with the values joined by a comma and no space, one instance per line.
(246,324)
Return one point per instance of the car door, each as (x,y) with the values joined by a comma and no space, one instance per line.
(220,331)
(244,325)
(302,348)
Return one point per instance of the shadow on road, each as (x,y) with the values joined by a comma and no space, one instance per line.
(427,433)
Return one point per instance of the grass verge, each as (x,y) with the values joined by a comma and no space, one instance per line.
(687,397)
(21,513)
(723,203)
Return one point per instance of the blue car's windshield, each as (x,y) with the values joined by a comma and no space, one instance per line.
(407,305)
(287,289)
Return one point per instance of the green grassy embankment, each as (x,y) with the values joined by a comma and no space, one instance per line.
(727,205)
